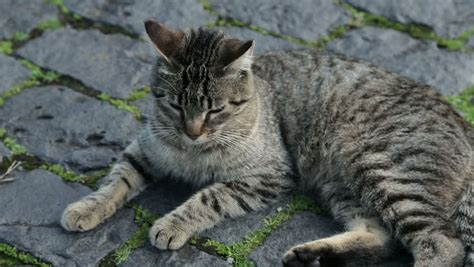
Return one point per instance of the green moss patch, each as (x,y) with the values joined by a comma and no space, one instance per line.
(50,24)
(15,256)
(417,31)
(464,102)
(6,47)
(139,94)
(11,144)
(240,251)
(145,219)
(121,104)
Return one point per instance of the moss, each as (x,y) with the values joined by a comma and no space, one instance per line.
(208,7)
(17,89)
(121,104)
(23,257)
(464,103)
(40,75)
(416,31)
(144,219)
(139,94)
(11,144)
(50,24)
(6,47)
(21,36)
(66,175)
(60,5)
(6,260)
(241,250)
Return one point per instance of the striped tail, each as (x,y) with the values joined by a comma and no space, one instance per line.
(465,223)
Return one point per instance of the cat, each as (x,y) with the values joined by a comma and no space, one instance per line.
(390,158)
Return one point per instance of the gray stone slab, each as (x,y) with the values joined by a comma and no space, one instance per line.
(186,256)
(450,72)
(307,19)
(29,220)
(115,64)
(62,126)
(263,43)
(302,227)
(447,18)
(23,16)
(4,152)
(163,196)
(131,14)
(470,42)
(12,72)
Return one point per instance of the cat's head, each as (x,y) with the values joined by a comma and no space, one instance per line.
(203,86)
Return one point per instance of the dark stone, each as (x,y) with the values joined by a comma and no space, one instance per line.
(12,73)
(4,152)
(112,63)
(423,61)
(131,14)
(447,18)
(23,16)
(185,256)
(307,19)
(29,220)
(62,126)
(299,229)
(264,43)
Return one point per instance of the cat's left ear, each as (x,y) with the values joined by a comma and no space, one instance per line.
(166,40)
(236,54)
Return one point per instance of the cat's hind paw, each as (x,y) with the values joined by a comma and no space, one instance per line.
(314,253)
(166,233)
(81,216)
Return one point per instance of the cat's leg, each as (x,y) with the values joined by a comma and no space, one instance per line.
(124,181)
(211,205)
(365,241)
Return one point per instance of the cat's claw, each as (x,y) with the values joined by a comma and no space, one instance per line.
(80,216)
(168,234)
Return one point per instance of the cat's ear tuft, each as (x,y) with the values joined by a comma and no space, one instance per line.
(166,40)
(236,54)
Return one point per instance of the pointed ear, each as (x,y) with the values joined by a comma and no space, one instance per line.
(166,40)
(236,54)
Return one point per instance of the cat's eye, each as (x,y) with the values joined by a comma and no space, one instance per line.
(175,106)
(238,103)
(217,110)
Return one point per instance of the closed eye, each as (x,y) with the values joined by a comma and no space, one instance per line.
(175,106)
(238,103)
(217,110)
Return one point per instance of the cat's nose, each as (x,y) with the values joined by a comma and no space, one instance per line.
(194,128)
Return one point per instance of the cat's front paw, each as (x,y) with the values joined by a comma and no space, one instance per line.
(81,216)
(167,233)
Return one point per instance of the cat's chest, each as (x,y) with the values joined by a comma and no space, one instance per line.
(195,168)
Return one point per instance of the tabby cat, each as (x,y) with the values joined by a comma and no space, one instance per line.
(388,157)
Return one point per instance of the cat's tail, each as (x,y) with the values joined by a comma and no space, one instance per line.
(465,223)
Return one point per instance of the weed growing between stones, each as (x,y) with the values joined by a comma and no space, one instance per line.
(50,24)
(11,144)
(464,102)
(144,219)
(139,94)
(6,47)
(240,251)
(416,31)
(21,257)
(121,104)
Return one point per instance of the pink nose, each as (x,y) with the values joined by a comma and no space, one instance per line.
(193,128)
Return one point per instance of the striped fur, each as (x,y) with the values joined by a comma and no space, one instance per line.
(389,157)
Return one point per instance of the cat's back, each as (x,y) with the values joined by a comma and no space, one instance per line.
(334,110)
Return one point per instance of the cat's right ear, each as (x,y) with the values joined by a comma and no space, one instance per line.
(165,39)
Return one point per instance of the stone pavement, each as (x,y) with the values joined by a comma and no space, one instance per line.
(73,90)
